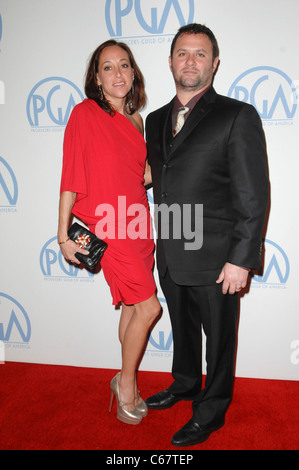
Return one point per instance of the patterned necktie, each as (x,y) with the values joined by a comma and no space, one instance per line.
(180,121)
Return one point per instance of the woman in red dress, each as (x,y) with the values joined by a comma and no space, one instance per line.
(103,184)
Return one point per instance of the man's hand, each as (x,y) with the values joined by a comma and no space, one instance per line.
(233,278)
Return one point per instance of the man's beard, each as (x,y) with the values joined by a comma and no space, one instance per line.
(187,83)
(195,83)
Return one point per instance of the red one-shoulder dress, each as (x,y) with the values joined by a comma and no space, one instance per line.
(103,163)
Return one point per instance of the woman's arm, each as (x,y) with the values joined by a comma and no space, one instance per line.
(67,246)
(147,174)
(138,122)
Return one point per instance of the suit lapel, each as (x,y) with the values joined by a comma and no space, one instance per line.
(200,110)
(167,129)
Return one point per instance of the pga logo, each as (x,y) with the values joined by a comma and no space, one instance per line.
(51,101)
(53,264)
(162,340)
(276,268)
(15,326)
(8,185)
(269,90)
(151,15)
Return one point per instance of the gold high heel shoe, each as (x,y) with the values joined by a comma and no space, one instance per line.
(141,406)
(126,416)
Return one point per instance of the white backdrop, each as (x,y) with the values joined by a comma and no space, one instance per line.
(51,312)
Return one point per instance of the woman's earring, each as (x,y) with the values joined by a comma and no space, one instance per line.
(101,92)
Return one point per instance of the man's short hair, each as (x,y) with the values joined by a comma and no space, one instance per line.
(195,28)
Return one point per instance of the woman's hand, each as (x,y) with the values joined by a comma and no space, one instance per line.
(69,249)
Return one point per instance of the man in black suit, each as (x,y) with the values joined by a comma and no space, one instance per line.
(217,161)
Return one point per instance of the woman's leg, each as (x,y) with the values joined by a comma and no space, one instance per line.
(134,327)
(126,315)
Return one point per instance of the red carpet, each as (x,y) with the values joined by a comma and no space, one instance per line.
(46,407)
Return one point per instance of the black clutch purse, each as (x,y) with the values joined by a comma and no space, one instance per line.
(88,241)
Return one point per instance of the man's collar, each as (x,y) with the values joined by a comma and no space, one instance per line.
(177,104)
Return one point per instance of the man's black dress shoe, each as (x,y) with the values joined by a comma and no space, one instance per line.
(162,400)
(192,433)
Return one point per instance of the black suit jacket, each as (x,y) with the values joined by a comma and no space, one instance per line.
(218,160)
